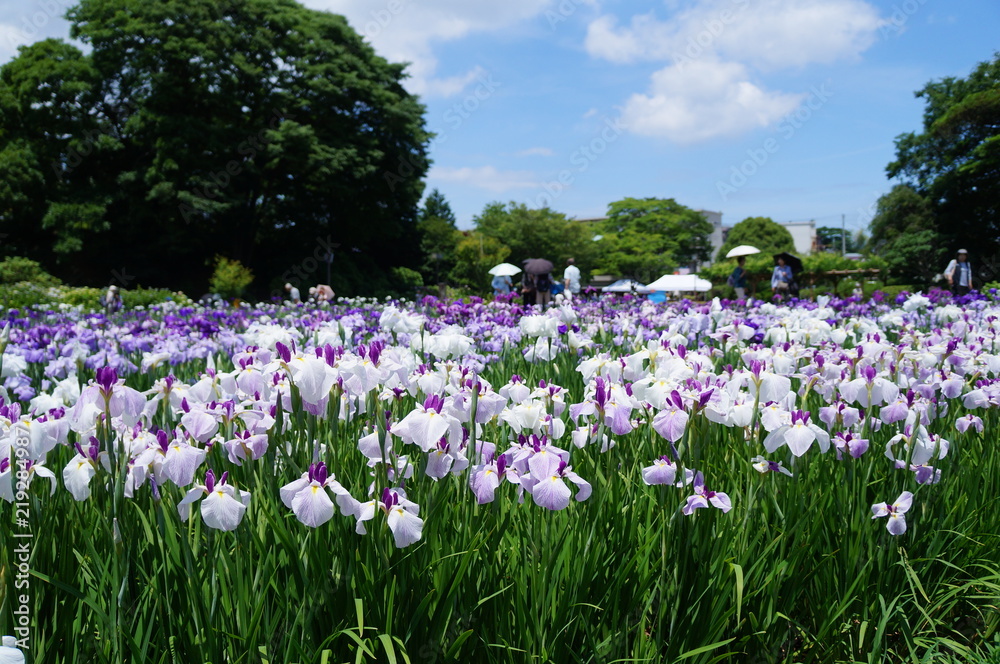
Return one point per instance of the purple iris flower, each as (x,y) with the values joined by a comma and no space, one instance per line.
(704,498)
(895,512)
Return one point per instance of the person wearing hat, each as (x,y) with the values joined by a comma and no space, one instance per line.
(112,300)
(959,273)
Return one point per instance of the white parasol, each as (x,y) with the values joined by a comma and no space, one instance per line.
(742,250)
(504,270)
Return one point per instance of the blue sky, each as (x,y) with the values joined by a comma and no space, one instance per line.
(779,108)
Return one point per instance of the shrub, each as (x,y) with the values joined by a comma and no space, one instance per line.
(406,282)
(230,278)
(88,298)
(26,294)
(144,297)
(16,269)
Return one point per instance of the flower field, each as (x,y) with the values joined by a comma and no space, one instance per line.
(605,481)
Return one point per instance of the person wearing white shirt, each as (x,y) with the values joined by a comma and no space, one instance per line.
(571,277)
(959,273)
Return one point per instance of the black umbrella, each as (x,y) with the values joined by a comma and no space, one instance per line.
(538,266)
(791,260)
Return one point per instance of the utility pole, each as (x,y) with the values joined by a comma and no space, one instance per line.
(843,234)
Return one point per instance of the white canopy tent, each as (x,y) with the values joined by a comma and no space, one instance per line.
(680,283)
(626,286)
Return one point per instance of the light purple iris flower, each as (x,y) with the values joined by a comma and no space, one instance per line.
(966,422)
(425,425)
(402,516)
(486,478)
(672,420)
(704,498)
(663,471)
(223,506)
(611,403)
(443,459)
(854,445)
(895,512)
(798,436)
(762,466)
(308,499)
(83,467)
(246,447)
(545,481)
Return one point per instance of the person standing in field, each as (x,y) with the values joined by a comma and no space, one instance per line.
(112,300)
(502,284)
(293,294)
(571,278)
(738,278)
(781,278)
(959,273)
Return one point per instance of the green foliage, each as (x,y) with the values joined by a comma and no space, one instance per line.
(620,577)
(91,299)
(954,162)
(145,297)
(534,233)
(17,269)
(438,238)
(230,278)
(902,211)
(647,238)
(436,206)
(758,270)
(475,254)
(915,258)
(249,128)
(814,277)
(761,232)
(890,292)
(904,235)
(406,281)
(26,294)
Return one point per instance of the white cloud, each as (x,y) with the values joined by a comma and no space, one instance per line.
(769,34)
(715,47)
(536,152)
(704,99)
(485,177)
(452,85)
(406,30)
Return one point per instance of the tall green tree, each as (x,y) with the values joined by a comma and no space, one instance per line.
(761,232)
(538,233)
(256,129)
(645,238)
(438,238)
(954,162)
(904,233)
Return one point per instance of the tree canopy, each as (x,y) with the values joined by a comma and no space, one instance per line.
(954,162)
(258,130)
(761,232)
(537,233)
(903,232)
(438,238)
(649,237)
